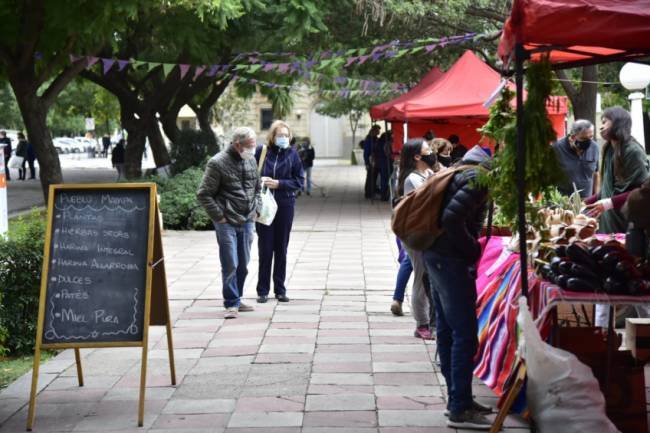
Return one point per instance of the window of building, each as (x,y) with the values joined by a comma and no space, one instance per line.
(266,116)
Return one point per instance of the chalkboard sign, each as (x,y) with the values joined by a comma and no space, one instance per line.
(97,266)
(103,281)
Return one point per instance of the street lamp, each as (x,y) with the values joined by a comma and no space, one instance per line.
(636,77)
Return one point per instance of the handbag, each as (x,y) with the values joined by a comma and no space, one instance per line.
(269,207)
(16,161)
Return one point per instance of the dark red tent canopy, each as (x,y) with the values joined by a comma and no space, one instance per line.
(579,30)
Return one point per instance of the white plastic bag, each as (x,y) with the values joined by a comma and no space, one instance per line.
(15,161)
(562,393)
(269,208)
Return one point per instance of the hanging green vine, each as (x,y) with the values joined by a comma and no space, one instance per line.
(501,114)
(542,171)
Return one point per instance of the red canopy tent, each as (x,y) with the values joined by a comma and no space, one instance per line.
(572,33)
(452,104)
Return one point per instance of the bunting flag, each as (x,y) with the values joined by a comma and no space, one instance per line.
(167,68)
(75,59)
(213,70)
(91,60)
(108,64)
(122,64)
(199,70)
(184,68)
(152,65)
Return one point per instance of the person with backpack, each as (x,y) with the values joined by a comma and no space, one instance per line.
(416,166)
(451,263)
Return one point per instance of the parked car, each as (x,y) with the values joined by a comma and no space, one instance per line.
(64,145)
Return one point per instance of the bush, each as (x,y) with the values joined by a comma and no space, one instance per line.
(21,260)
(192,149)
(178,204)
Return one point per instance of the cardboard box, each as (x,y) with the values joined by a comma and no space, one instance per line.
(637,338)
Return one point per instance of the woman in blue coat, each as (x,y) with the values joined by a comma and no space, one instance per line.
(282,173)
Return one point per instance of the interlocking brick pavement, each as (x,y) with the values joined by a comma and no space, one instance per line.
(333,360)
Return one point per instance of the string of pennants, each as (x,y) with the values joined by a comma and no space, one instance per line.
(306,68)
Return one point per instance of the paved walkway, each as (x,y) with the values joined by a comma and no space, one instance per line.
(332,360)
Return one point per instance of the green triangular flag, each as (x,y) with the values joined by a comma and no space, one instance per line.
(254,68)
(325,63)
(167,68)
(416,50)
(138,63)
(401,53)
(240,67)
(152,66)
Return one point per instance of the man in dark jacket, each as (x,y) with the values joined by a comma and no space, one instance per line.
(451,265)
(230,194)
(307,155)
(5,143)
(458,150)
(381,156)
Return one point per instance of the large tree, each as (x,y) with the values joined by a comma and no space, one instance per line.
(36,41)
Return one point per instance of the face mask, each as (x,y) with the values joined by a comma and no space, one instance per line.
(444,160)
(429,160)
(282,142)
(247,154)
(583,145)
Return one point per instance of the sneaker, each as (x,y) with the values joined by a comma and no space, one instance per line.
(477,407)
(282,298)
(423,332)
(469,419)
(243,308)
(396,308)
(231,313)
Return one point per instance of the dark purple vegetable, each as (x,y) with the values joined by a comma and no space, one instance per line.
(582,272)
(562,280)
(565,267)
(579,253)
(582,285)
(614,286)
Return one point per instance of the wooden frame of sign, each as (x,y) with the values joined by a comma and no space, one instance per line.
(68,282)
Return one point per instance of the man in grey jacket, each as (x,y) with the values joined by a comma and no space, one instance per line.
(230,194)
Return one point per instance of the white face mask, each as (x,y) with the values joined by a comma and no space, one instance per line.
(247,154)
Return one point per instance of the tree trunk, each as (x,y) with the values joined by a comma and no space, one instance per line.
(169,126)
(203,117)
(583,101)
(156,142)
(35,119)
(136,138)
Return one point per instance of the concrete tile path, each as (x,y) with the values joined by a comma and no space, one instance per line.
(333,360)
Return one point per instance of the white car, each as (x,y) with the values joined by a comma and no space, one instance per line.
(85,143)
(66,145)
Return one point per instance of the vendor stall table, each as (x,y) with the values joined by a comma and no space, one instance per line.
(498,286)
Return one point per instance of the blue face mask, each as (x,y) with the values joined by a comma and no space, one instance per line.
(282,142)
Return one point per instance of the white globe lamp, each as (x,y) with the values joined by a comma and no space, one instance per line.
(636,77)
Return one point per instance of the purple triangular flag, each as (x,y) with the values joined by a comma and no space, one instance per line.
(74,58)
(184,69)
(363,59)
(91,61)
(350,61)
(376,57)
(268,67)
(283,67)
(121,64)
(430,48)
(213,71)
(108,64)
(199,71)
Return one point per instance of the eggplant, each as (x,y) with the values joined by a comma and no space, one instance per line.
(614,286)
(562,280)
(565,267)
(577,284)
(560,251)
(547,273)
(598,253)
(555,263)
(625,270)
(611,260)
(579,253)
(582,272)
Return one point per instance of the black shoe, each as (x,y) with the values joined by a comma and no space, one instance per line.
(476,407)
(262,299)
(282,298)
(469,419)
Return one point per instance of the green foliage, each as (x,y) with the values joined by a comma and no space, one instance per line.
(542,170)
(21,259)
(10,117)
(501,114)
(178,204)
(12,368)
(192,149)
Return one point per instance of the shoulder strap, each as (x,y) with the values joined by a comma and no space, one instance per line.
(260,164)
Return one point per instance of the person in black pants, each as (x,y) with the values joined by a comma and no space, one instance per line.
(368,145)
(31,157)
(21,150)
(5,143)
(282,172)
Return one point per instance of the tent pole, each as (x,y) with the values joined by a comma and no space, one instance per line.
(406,131)
(520,57)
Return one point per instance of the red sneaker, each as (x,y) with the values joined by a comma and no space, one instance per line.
(423,332)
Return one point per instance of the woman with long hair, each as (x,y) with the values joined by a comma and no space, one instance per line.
(282,172)
(416,165)
(624,167)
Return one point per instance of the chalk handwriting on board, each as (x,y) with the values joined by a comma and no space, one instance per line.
(97,266)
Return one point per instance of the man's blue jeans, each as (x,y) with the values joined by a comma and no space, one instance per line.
(454,291)
(235,242)
(403,275)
